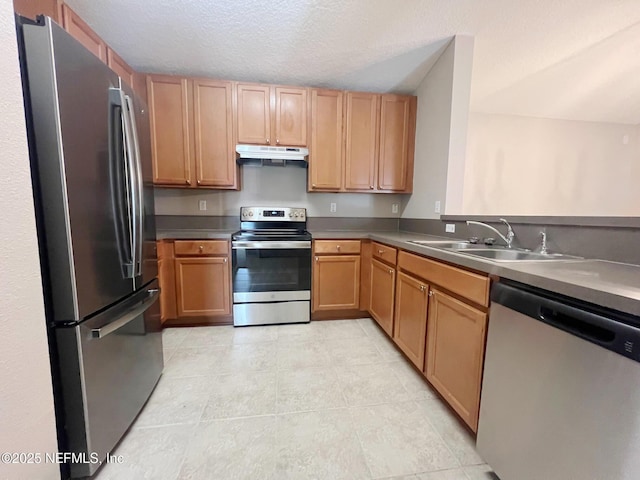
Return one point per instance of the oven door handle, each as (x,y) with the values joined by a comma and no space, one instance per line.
(270,245)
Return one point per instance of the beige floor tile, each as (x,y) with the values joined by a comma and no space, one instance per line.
(208,336)
(455,435)
(299,332)
(401,477)
(249,357)
(296,355)
(240,448)
(397,439)
(173,337)
(187,362)
(413,381)
(149,454)
(340,329)
(241,394)
(255,334)
(175,400)
(307,389)
(454,474)
(386,347)
(369,325)
(371,385)
(167,353)
(352,351)
(319,445)
(480,472)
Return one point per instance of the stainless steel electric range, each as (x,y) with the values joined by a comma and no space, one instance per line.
(271,260)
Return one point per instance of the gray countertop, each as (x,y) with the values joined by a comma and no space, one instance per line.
(610,284)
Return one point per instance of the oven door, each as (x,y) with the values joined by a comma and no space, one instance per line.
(271,271)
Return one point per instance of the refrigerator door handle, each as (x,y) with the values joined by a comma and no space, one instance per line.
(120,194)
(129,316)
(132,182)
(139,206)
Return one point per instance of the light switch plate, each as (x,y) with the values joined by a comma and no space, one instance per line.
(437,208)
(450,228)
(202,205)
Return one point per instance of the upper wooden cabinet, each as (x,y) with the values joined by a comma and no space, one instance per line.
(33,8)
(83,33)
(254,114)
(192,132)
(361,149)
(291,116)
(396,131)
(171,131)
(271,115)
(326,149)
(122,69)
(213,128)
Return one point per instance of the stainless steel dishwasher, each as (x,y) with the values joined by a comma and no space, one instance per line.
(561,389)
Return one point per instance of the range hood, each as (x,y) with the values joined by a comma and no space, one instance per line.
(262,155)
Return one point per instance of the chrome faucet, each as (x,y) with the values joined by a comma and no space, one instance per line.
(510,235)
(543,244)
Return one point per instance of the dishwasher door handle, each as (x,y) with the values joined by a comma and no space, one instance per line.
(610,333)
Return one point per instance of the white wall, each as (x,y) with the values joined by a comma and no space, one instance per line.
(441,131)
(535,166)
(277,186)
(27,422)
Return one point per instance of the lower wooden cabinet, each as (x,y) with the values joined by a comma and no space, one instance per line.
(203,287)
(410,323)
(336,282)
(383,283)
(455,353)
(167,281)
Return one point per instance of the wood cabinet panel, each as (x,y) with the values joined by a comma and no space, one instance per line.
(365,275)
(395,128)
(167,281)
(455,353)
(33,8)
(83,33)
(213,129)
(326,149)
(382,293)
(410,323)
(120,67)
(470,285)
(291,116)
(201,247)
(171,139)
(361,148)
(336,282)
(336,246)
(203,287)
(384,253)
(254,113)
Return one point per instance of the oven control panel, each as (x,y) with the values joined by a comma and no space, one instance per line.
(281,214)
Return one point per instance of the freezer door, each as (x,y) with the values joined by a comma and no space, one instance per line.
(82,193)
(109,365)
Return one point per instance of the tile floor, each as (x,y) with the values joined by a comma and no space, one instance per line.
(327,400)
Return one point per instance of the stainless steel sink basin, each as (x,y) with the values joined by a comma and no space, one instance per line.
(505,255)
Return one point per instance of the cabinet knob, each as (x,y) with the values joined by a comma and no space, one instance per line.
(390,271)
(277,141)
(188,182)
(338,247)
(224,260)
(268,141)
(371,187)
(316,259)
(422,288)
(380,252)
(430,293)
(198,182)
(201,248)
(313,185)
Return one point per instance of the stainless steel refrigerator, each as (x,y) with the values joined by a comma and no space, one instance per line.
(91,162)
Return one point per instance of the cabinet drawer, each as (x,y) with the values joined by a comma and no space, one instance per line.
(202,247)
(385,253)
(472,286)
(336,246)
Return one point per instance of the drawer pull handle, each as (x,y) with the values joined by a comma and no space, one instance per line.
(380,252)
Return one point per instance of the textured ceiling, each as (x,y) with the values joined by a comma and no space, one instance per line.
(559,58)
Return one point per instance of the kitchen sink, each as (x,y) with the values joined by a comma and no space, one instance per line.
(505,255)
(454,244)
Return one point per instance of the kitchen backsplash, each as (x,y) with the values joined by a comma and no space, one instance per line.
(275,186)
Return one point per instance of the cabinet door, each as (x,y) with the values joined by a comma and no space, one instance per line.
(455,353)
(291,116)
(83,33)
(395,128)
(410,323)
(122,69)
(203,287)
(254,114)
(33,8)
(336,282)
(361,151)
(326,149)
(213,127)
(383,283)
(169,105)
